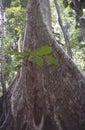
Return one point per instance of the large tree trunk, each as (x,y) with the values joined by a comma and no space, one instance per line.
(47,98)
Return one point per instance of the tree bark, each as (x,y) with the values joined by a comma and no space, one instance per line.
(3,81)
(67,42)
(47,98)
(79,15)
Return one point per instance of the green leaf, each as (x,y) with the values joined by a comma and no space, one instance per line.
(42,51)
(18,58)
(51,59)
(81,46)
(16,53)
(38,60)
(11,52)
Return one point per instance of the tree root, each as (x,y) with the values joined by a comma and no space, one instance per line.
(6,121)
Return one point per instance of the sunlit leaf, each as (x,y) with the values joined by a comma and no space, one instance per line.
(38,60)
(42,51)
(51,59)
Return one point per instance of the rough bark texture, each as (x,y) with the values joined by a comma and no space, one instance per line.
(48,98)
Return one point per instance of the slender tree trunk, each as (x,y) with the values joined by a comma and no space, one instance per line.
(47,98)
(3,81)
(79,15)
(67,42)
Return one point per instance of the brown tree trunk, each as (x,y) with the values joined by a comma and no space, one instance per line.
(47,98)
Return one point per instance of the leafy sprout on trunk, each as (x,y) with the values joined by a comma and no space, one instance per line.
(39,56)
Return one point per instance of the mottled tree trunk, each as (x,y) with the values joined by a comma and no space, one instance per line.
(47,98)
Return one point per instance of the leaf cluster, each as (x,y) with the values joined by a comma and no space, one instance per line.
(38,56)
